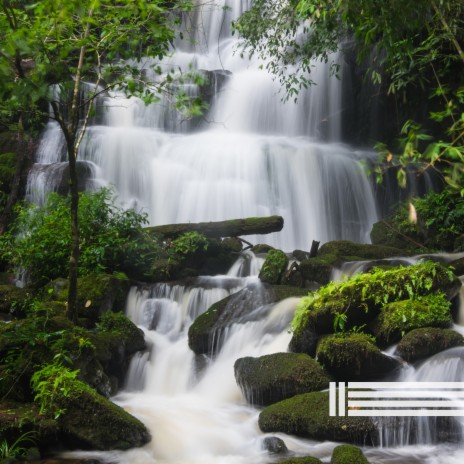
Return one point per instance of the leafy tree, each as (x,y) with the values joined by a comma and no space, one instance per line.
(50,49)
(415,43)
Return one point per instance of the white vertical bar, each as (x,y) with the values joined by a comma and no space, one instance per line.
(341,399)
(332,399)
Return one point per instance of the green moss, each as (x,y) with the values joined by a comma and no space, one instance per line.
(348,454)
(274,267)
(400,317)
(350,251)
(361,297)
(307,416)
(353,356)
(14,300)
(425,342)
(302,460)
(272,378)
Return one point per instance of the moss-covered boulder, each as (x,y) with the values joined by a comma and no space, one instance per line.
(274,267)
(90,421)
(348,454)
(275,377)
(307,416)
(423,343)
(301,460)
(388,232)
(400,317)
(206,332)
(333,254)
(353,356)
(97,294)
(361,298)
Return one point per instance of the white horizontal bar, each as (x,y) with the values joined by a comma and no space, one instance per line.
(405,412)
(406,394)
(405,403)
(405,385)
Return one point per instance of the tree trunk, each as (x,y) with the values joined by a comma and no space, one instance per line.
(231,228)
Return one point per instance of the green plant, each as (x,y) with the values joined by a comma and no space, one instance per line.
(188,243)
(39,242)
(50,384)
(18,448)
(339,322)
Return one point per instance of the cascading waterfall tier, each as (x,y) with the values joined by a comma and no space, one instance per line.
(251,154)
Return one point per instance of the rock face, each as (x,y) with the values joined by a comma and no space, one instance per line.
(350,357)
(275,377)
(422,343)
(348,454)
(307,416)
(205,334)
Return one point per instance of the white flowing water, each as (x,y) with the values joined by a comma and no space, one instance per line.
(250,155)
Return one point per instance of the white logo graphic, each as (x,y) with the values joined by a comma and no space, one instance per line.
(396,399)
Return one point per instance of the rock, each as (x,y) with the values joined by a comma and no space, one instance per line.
(97,294)
(274,445)
(348,454)
(301,460)
(385,233)
(206,332)
(275,377)
(261,248)
(307,416)
(458,266)
(354,356)
(399,317)
(214,82)
(361,298)
(274,267)
(458,245)
(90,421)
(423,343)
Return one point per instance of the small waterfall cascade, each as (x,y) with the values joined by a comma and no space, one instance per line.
(250,154)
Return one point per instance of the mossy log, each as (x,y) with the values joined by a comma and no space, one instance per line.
(230,228)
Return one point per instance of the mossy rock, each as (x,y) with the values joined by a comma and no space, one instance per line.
(14,300)
(400,317)
(307,416)
(275,377)
(425,342)
(208,328)
(361,298)
(17,419)
(385,233)
(90,421)
(6,177)
(274,267)
(348,454)
(458,266)
(344,250)
(353,356)
(97,294)
(261,248)
(301,460)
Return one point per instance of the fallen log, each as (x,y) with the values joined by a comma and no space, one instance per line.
(230,228)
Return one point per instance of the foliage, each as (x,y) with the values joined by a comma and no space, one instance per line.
(188,243)
(18,449)
(375,288)
(51,383)
(40,242)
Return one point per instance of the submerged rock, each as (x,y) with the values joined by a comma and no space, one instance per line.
(354,356)
(205,335)
(423,343)
(275,377)
(274,445)
(307,416)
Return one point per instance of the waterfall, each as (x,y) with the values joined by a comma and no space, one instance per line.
(250,154)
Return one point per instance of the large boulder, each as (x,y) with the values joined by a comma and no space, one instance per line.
(354,356)
(361,298)
(307,416)
(423,343)
(275,377)
(205,334)
(399,317)
(348,454)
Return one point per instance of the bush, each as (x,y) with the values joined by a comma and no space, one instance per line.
(40,240)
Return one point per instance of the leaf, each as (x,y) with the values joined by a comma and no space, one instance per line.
(88,303)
